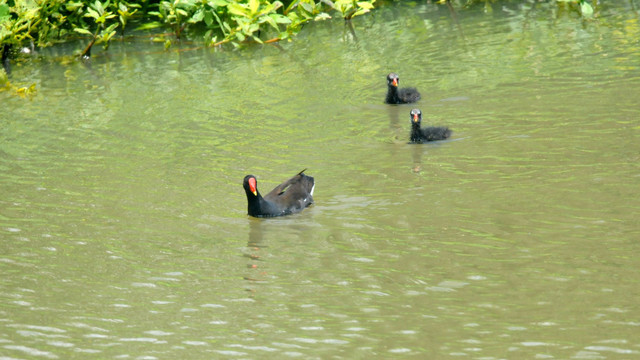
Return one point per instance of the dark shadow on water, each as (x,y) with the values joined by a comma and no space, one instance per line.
(416,157)
(256,233)
(260,268)
(255,253)
(418,150)
(6,64)
(263,230)
(394,115)
(98,79)
(352,31)
(454,17)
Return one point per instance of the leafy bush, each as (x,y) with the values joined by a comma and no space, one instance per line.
(222,21)
(216,22)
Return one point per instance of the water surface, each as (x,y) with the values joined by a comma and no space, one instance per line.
(123,226)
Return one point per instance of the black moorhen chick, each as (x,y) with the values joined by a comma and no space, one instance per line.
(290,197)
(399,96)
(430,133)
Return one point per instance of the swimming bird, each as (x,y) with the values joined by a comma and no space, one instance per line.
(431,133)
(290,197)
(399,96)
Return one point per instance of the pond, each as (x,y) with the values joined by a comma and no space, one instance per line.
(124,228)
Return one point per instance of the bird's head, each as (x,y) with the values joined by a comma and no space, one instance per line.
(416,116)
(250,185)
(393,79)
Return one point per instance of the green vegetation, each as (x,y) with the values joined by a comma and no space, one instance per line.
(585,8)
(42,22)
(26,24)
(31,23)
(22,91)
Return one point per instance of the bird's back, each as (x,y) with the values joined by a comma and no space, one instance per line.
(294,194)
(433,133)
(408,95)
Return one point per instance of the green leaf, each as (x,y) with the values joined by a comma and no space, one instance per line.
(343,5)
(208,18)
(98,6)
(236,9)
(73,6)
(4,10)
(218,3)
(322,16)
(270,21)
(92,13)
(291,5)
(365,5)
(186,4)
(253,6)
(197,17)
(280,19)
(83,31)
(276,5)
(257,39)
(150,25)
(359,12)
(253,28)
(111,28)
(224,31)
(586,9)
(242,21)
(307,7)
(108,36)
(293,17)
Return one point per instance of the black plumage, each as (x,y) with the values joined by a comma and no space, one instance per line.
(396,95)
(290,197)
(431,133)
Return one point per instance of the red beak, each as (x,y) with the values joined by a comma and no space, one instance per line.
(415,117)
(252,186)
(395,82)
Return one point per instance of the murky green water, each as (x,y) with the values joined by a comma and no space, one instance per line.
(123,221)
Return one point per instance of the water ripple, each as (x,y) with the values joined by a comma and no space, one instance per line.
(31,351)
(122,198)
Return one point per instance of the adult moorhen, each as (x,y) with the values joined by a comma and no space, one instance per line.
(290,197)
(399,96)
(430,133)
